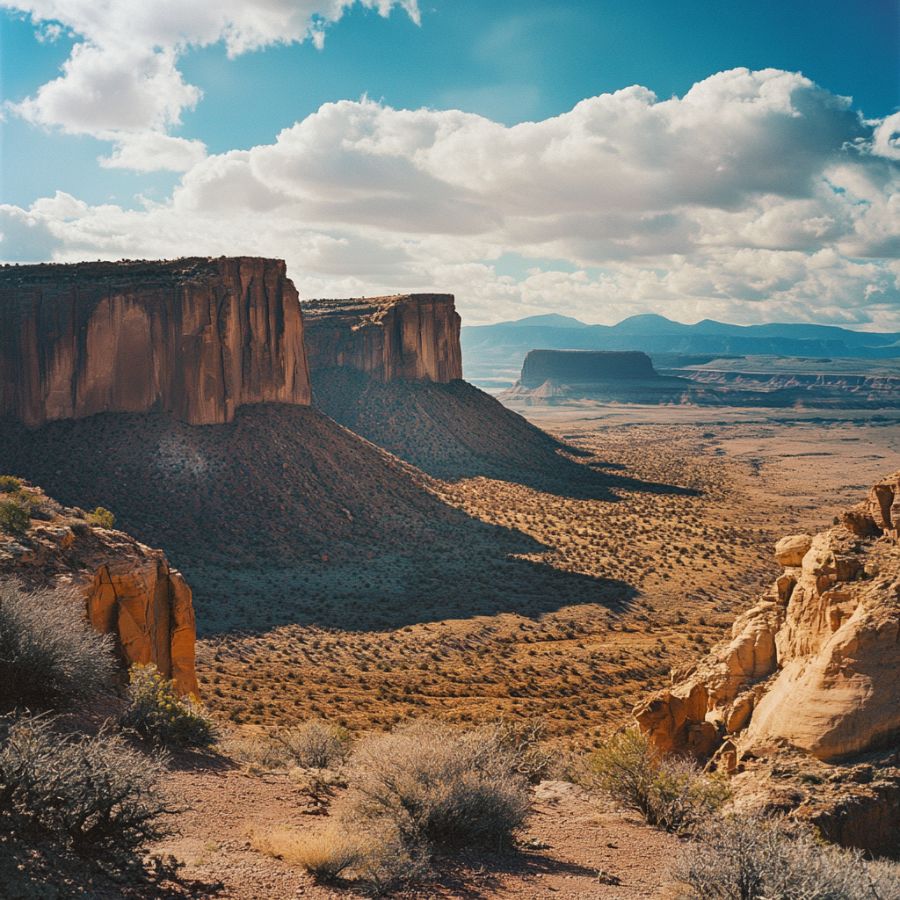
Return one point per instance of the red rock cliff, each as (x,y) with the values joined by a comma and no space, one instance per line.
(194,337)
(409,337)
(129,591)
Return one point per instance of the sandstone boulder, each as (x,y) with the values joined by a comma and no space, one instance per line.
(814,665)
(789,551)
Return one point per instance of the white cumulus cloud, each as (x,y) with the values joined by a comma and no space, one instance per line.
(756,195)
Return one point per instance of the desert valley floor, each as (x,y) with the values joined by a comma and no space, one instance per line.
(608,591)
(661,562)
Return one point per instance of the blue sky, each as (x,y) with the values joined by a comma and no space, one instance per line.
(216,84)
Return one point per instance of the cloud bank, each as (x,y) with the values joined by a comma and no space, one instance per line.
(121,82)
(755,196)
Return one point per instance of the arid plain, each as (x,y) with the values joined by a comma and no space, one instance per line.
(610,590)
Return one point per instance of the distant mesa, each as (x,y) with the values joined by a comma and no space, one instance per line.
(585,366)
(410,337)
(197,338)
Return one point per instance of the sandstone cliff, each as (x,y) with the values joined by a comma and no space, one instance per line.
(814,664)
(195,337)
(129,591)
(412,337)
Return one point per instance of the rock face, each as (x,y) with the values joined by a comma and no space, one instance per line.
(814,665)
(406,337)
(584,366)
(195,337)
(129,591)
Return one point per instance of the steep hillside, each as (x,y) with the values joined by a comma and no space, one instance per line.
(195,337)
(406,393)
(129,590)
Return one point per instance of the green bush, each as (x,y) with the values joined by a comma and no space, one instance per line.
(91,795)
(15,515)
(156,711)
(669,792)
(439,785)
(102,518)
(9,484)
(48,653)
(753,858)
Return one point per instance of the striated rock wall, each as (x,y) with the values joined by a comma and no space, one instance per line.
(194,337)
(129,590)
(814,664)
(584,366)
(409,337)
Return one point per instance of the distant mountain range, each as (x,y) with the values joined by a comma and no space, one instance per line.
(493,354)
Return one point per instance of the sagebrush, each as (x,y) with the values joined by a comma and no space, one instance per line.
(91,795)
(754,858)
(48,652)
(669,792)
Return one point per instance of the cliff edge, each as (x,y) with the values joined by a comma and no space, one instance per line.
(129,590)
(194,337)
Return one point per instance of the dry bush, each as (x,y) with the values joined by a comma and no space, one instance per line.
(326,855)
(9,484)
(438,785)
(91,795)
(315,744)
(753,858)
(669,792)
(156,711)
(48,653)
(525,743)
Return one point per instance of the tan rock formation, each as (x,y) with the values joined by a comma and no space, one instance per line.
(194,337)
(411,337)
(815,663)
(129,590)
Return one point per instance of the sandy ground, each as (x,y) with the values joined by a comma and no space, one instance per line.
(572,847)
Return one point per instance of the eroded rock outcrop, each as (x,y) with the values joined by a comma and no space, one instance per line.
(194,337)
(408,337)
(129,590)
(814,665)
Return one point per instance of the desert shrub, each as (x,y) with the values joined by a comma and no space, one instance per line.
(48,653)
(102,517)
(525,743)
(669,792)
(9,484)
(753,858)
(315,744)
(92,795)
(377,857)
(438,785)
(15,514)
(156,711)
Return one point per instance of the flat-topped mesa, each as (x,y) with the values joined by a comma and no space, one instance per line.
(195,337)
(409,337)
(584,366)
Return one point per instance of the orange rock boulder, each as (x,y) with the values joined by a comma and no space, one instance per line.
(814,665)
(130,591)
